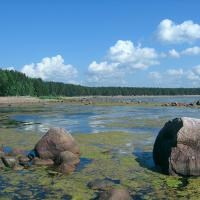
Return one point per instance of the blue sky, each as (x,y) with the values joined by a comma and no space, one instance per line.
(103,42)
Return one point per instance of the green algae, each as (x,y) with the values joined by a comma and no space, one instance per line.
(112,157)
(139,180)
(15,139)
(132,123)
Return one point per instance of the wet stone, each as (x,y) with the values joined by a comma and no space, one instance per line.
(67,157)
(42,162)
(25,162)
(18,168)
(65,168)
(2,166)
(9,162)
(25,193)
(115,194)
(100,184)
(1,154)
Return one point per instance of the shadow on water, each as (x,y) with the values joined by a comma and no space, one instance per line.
(165,141)
(145,159)
(83,163)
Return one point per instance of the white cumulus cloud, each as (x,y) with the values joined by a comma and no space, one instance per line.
(170,32)
(194,75)
(136,57)
(155,75)
(105,73)
(175,72)
(51,69)
(122,58)
(102,67)
(191,51)
(174,53)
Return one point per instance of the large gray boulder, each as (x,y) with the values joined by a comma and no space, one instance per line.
(177,147)
(55,141)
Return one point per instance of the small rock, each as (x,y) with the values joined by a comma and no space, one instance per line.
(65,168)
(108,151)
(2,166)
(53,173)
(67,157)
(66,162)
(174,103)
(24,161)
(9,161)
(115,194)
(18,168)
(100,184)
(2,154)
(42,162)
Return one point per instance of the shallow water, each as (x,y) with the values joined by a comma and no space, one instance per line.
(122,151)
(94,119)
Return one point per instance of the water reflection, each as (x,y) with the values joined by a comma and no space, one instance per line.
(90,119)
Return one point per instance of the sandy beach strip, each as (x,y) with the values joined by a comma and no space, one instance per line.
(19,100)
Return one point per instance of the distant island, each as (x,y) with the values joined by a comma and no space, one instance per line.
(14,83)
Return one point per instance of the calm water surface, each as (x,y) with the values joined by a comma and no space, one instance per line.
(93,119)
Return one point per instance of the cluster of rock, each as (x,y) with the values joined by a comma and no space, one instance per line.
(105,99)
(60,147)
(56,148)
(177,147)
(178,104)
(86,101)
(107,191)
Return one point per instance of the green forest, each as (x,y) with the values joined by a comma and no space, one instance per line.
(14,83)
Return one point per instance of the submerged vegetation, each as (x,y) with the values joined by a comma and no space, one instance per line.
(125,159)
(16,83)
(113,157)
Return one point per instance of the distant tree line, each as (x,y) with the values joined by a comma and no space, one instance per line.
(13,83)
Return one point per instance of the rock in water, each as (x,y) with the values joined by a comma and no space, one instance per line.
(42,162)
(100,184)
(67,157)
(177,147)
(56,140)
(66,162)
(115,194)
(65,168)
(198,103)
(9,162)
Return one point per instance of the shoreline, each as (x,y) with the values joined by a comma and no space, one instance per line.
(83,100)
